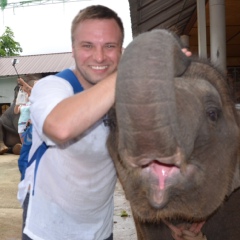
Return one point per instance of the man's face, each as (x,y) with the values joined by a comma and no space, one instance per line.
(96,49)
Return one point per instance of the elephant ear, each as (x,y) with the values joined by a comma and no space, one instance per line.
(236,175)
(236,179)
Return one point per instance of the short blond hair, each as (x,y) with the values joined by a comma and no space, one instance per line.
(96,12)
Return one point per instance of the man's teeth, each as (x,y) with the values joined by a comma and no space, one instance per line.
(99,67)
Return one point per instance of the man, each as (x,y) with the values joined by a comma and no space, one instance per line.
(75,181)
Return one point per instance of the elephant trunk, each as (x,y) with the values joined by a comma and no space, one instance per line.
(145,97)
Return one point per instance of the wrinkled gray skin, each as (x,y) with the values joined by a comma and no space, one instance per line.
(9,137)
(174,140)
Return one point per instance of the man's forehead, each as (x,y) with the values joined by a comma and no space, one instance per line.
(94,25)
(99,31)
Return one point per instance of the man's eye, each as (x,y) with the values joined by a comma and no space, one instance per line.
(110,46)
(87,46)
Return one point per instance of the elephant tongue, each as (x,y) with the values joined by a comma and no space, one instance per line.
(162,171)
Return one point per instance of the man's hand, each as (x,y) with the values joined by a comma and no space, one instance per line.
(180,232)
(187,53)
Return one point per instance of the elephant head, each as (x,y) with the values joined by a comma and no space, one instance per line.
(175,133)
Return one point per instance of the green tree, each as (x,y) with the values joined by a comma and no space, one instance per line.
(9,47)
(3,4)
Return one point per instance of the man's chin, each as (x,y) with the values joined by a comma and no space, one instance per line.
(96,77)
(99,78)
(93,81)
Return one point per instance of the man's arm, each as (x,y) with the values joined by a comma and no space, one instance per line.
(25,87)
(74,115)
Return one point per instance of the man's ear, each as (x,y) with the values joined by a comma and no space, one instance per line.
(72,52)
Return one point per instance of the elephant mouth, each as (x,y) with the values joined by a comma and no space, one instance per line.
(160,178)
(162,171)
(161,166)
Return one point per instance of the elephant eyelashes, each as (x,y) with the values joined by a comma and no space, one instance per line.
(213,114)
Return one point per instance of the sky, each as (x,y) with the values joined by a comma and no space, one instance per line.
(46,28)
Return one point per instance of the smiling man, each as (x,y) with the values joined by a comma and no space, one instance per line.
(75,179)
(96,52)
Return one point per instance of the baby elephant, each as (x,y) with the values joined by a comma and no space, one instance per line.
(175,141)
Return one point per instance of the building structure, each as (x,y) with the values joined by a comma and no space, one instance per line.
(30,67)
(209,28)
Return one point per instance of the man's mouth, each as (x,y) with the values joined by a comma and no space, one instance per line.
(99,67)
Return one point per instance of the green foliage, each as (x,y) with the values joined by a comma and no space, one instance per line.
(3,4)
(9,47)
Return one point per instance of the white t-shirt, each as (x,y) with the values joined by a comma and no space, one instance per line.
(73,195)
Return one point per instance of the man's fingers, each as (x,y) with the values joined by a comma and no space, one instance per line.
(187,53)
(174,229)
(188,235)
(196,227)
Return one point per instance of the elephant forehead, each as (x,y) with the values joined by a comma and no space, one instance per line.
(201,86)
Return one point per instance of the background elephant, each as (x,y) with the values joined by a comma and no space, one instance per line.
(9,137)
(174,140)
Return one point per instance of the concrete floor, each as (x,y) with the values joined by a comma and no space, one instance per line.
(11,212)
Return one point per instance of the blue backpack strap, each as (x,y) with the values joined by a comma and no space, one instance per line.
(37,157)
(69,75)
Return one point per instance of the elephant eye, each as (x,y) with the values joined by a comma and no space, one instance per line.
(213,114)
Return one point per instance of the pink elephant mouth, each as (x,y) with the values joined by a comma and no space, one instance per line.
(160,177)
(162,171)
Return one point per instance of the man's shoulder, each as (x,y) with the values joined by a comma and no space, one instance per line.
(52,79)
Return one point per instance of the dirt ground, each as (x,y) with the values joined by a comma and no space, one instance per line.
(11,212)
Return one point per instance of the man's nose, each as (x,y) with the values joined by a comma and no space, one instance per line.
(99,55)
